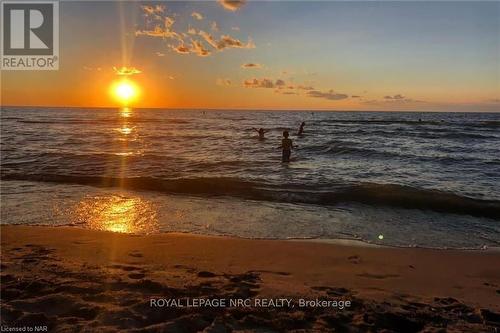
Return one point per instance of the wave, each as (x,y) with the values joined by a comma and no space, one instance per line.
(338,148)
(366,193)
(486,123)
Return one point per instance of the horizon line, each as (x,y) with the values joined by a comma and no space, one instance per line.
(237,109)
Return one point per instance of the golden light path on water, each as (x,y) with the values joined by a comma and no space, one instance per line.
(118,213)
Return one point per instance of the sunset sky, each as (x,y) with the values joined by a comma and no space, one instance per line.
(441,56)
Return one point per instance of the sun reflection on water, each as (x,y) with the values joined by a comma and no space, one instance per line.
(125,130)
(118,214)
(125,112)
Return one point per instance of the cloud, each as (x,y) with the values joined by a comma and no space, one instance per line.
(153,10)
(232,5)
(301,87)
(282,87)
(160,54)
(225,42)
(208,38)
(228,41)
(196,47)
(235,28)
(394,100)
(396,97)
(160,25)
(251,65)
(159,31)
(199,49)
(280,83)
(223,82)
(126,70)
(258,83)
(331,95)
(181,49)
(355,96)
(197,16)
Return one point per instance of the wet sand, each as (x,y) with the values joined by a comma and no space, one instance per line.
(74,279)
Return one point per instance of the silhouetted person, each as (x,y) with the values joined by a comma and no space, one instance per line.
(261,132)
(286,145)
(301,128)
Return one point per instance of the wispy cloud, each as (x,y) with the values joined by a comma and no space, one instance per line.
(157,24)
(301,87)
(197,16)
(126,70)
(232,5)
(251,65)
(160,24)
(153,10)
(285,88)
(199,49)
(331,95)
(280,83)
(394,97)
(397,100)
(225,42)
(259,83)
(181,49)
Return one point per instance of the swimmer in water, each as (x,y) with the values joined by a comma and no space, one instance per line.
(301,129)
(261,132)
(286,145)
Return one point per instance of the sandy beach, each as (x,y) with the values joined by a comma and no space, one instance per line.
(72,279)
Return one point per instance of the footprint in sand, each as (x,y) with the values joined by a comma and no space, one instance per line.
(378,276)
(126,268)
(136,276)
(205,274)
(332,291)
(271,272)
(355,259)
(135,254)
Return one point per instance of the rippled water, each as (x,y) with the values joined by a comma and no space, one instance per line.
(354,174)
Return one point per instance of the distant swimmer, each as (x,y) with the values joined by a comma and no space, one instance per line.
(286,145)
(261,132)
(301,129)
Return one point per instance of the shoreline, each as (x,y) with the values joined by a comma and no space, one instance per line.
(350,242)
(74,269)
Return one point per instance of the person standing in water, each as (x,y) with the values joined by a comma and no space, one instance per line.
(301,129)
(286,145)
(261,132)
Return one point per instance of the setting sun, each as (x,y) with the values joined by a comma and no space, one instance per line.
(125,91)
